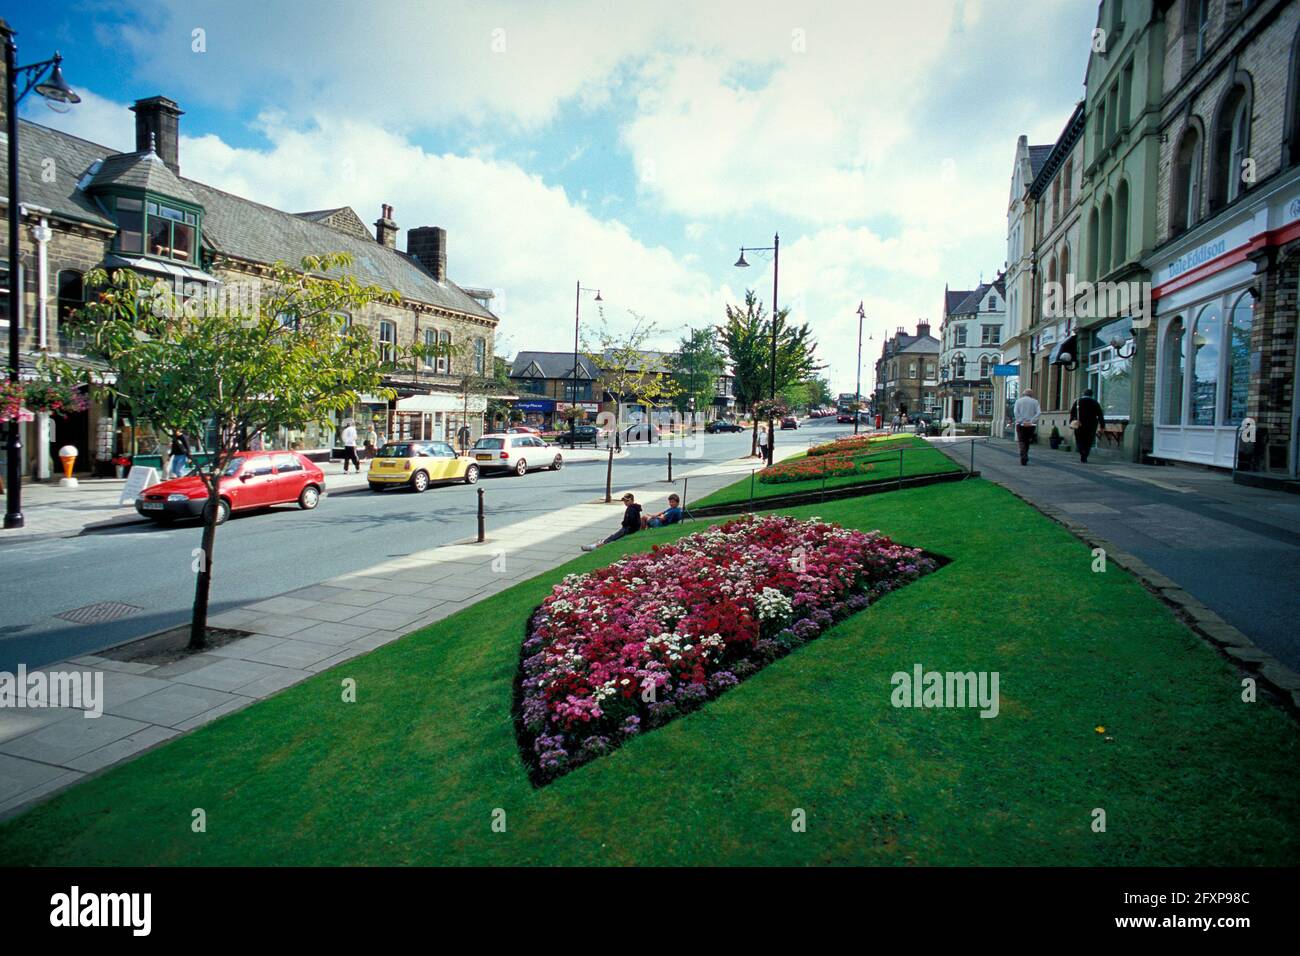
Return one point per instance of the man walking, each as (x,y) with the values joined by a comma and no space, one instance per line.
(350,446)
(1026,413)
(180,454)
(1086,416)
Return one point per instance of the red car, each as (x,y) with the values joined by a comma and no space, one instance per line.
(252,479)
(523,430)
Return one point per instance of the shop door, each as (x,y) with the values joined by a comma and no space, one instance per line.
(73,430)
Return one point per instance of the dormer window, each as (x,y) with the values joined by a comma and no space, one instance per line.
(156,228)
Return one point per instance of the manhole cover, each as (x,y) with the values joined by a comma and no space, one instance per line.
(98,613)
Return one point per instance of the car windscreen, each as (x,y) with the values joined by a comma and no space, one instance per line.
(490,443)
(397,450)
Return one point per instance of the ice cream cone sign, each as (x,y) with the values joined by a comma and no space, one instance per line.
(68,455)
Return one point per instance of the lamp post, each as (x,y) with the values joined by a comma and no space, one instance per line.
(775,249)
(577,309)
(857,388)
(59,97)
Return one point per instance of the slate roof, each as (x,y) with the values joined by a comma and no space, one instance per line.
(553,365)
(923,345)
(971,304)
(231,225)
(1037,156)
(954,298)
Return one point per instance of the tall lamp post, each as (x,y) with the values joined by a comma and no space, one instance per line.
(60,97)
(577,310)
(857,393)
(775,249)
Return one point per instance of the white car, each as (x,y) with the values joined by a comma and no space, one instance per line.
(514,452)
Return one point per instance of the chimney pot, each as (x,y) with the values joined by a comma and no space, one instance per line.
(386,228)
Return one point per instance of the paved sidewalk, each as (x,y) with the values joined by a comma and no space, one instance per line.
(50,511)
(1233,548)
(296,635)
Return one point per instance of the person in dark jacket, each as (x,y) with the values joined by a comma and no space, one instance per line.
(1088,416)
(631,523)
(180,454)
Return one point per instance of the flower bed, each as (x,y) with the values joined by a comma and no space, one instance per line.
(855,444)
(618,651)
(810,469)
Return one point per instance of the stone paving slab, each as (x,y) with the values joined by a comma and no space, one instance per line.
(294,636)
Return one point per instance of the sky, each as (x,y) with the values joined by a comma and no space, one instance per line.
(633,147)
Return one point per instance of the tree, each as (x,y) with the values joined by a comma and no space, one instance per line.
(746,341)
(201,366)
(627,368)
(696,366)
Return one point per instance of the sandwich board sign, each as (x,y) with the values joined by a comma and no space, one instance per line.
(137,480)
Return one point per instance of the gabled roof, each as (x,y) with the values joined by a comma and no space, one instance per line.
(921,345)
(953,298)
(552,365)
(72,157)
(344,219)
(140,171)
(971,304)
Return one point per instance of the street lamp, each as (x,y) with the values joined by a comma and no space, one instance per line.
(775,249)
(577,309)
(857,388)
(59,97)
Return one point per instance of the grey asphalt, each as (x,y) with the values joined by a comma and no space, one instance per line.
(263,554)
(1236,549)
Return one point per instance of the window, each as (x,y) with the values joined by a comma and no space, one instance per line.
(1237,386)
(1067,180)
(1121,223)
(959,335)
(1198,26)
(130,224)
(1229,145)
(985,404)
(1185,201)
(480,356)
(1125,96)
(1099,133)
(444,360)
(430,343)
(1237,150)
(959,367)
(993,303)
(284,464)
(929,370)
(911,370)
(1171,390)
(387,342)
(1104,247)
(1207,336)
(1109,376)
(1056,201)
(72,293)
(984,366)
(261,465)
(990,334)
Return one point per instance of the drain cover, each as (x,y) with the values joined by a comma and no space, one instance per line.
(98,613)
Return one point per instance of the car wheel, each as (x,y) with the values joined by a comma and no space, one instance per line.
(419,481)
(223,511)
(471,474)
(309,498)
(558,463)
(521,467)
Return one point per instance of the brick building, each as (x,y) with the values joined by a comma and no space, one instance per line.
(907,373)
(87,206)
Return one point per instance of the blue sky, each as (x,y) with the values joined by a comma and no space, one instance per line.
(632,146)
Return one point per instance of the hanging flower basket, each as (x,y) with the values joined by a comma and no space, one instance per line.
(22,400)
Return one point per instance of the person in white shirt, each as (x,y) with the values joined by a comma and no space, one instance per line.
(1026,412)
(350,446)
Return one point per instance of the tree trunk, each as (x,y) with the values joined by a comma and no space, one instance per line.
(203,584)
(753,435)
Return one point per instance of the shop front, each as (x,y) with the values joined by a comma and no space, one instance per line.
(537,412)
(439,416)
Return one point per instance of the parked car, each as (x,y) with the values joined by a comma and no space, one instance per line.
(789,422)
(517,453)
(721,425)
(418,464)
(252,479)
(580,435)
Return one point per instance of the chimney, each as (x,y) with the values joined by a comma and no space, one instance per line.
(922,328)
(385,228)
(157,127)
(428,245)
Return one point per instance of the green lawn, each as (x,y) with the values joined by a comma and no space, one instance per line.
(918,458)
(413,771)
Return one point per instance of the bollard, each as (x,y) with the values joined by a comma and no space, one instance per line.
(482,535)
(609,476)
(670,466)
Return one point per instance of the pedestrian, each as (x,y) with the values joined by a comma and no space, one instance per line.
(631,523)
(350,446)
(1086,416)
(1026,414)
(372,441)
(462,435)
(762,441)
(670,515)
(180,455)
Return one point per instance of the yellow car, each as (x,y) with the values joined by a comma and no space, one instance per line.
(416,464)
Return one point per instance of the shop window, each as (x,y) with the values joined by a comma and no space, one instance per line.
(1237,385)
(1207,336)
(1109,376)
(1171,389)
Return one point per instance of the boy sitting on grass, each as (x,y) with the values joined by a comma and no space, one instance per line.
(670,515)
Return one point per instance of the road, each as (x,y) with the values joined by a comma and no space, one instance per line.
(264,554)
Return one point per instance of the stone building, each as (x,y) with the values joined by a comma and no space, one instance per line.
(907,373)
(970,339)
(87,206)
(1225,262)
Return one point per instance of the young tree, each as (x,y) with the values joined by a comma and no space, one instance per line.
(627,368)
(696,365)
(200,367)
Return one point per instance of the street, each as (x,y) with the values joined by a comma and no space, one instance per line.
(263,554)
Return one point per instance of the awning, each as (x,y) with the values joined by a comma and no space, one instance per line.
(158,267)
(442,402)
(1063,352)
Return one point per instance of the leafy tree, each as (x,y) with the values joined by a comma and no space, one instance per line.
(628,370)
(199,367)
(696,365)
